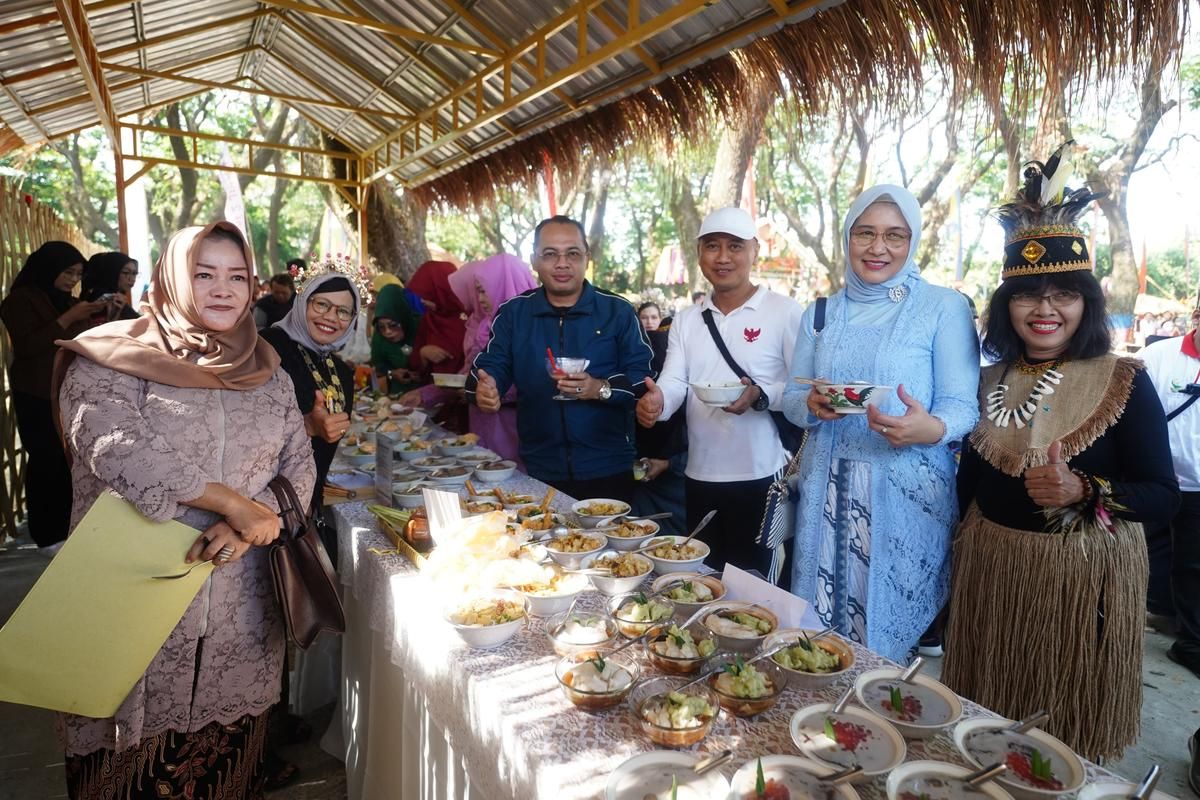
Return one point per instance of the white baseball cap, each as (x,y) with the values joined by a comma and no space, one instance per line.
(732,220)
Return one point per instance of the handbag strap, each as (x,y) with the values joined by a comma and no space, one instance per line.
(1183,407)
(294,520)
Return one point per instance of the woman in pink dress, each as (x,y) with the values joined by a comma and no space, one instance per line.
(184,413)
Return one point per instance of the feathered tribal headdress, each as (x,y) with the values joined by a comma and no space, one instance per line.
(1042,235)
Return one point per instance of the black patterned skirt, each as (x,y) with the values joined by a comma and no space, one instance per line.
(218,762)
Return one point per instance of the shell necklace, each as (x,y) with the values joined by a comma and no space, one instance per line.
(997,408)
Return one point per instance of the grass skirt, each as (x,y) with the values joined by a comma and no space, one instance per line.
(1041,620)
(218,762)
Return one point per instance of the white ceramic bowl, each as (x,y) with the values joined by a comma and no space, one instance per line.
(718,394)
(612,586)
(662,566)
(477,456)
(737,644)
(632,542)
(485,637)
(359,460)
(407,500)
(487,499)
(547,605)
(430,463)
(399,487)
(1115,790)
(853,398)
(913,777)
(685,608)
(1070,770)
(573,560)
(651,774)
(830,642)
(411,455)
(800,775)
(496,475)
(881,750)
(452,447)
(456,475)
(592,520)
(449,380)
(938,704)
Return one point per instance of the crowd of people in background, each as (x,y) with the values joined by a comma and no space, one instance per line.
(982,509)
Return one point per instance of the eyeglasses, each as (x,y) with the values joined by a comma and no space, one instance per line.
(1058,299)
(323,307)
(388,325)
(129,273)
(573,256)
(892,237)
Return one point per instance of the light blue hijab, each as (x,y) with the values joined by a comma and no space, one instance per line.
(858,290)
(295,322)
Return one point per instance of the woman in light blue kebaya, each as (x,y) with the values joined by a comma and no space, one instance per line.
(877,497)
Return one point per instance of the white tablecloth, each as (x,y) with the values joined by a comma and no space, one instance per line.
(426,718)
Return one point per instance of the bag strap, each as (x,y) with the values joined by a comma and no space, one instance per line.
(720,343)
(294,520)
(819,314)
(1183,407)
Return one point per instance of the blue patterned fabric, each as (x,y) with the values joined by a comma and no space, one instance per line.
(844,558)
(902,514)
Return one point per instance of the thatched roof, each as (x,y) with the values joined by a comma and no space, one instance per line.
(867,53)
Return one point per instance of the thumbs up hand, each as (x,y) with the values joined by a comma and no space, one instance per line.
(650,405)
(1054,485)
(487,394)
(319,422)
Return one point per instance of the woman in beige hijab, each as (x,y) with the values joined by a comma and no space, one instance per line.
(184,413)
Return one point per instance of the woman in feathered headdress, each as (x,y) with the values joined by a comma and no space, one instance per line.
(1069,457)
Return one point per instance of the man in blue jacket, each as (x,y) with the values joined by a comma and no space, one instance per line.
(582,446)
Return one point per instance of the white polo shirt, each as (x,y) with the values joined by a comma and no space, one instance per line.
(1171,365)
(761,337)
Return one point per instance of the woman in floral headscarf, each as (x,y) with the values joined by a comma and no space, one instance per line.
(185,413)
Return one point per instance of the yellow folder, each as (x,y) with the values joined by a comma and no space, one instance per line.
(89,627)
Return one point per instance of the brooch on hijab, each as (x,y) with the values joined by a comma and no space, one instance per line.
(897,293)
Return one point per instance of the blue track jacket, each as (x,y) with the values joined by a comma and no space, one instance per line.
(569,440)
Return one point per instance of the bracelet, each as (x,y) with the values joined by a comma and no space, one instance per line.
(1088,492)
(941,422)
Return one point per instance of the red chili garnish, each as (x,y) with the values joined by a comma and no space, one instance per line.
(850,735)
(911,708)
(1021,765)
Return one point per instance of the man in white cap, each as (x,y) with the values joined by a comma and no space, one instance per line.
(734,449)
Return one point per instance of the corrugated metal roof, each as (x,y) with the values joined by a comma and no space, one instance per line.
(365,79)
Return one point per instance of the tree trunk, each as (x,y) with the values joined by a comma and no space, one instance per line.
(1123,289)
(277,198)
(687,224)
(188,180)
(739,139)
(396,231)
(596,229)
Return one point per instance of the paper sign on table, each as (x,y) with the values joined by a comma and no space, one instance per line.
(444,511)
(384,454)
(793,611)
(84,635)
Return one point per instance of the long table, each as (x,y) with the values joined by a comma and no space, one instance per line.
(426,718)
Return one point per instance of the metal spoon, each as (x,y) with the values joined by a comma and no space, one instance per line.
(703,522)
(1032,721)
(913,668)
(712,762)
(1146,787)
(841,776)
(721,668)
(986,774)
(840,705)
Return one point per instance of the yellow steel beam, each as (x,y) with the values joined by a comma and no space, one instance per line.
(378,25)
(709,48)
(154,41)
(609,21)
(179,98)
(237,140)
(780,6)
(156,161)
(79,35)
(120,87)
(584,61)
(234,87)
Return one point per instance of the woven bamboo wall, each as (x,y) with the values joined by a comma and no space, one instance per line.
(24,225)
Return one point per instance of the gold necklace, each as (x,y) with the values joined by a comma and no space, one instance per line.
(335,395)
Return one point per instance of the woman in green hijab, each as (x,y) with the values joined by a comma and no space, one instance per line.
(391,342)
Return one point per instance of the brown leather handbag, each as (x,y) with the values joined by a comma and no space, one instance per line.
(305,582)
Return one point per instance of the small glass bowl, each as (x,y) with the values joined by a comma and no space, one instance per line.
(631,628)
(748,707)
(595,700)
(672,664)
(647,691)
(562,648)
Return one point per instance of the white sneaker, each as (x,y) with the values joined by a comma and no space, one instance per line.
(51,550)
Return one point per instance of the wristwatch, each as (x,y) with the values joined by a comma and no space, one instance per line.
(605,390)
(763,402)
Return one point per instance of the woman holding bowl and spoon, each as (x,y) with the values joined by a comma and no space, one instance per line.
(877,501)
(1070,455)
